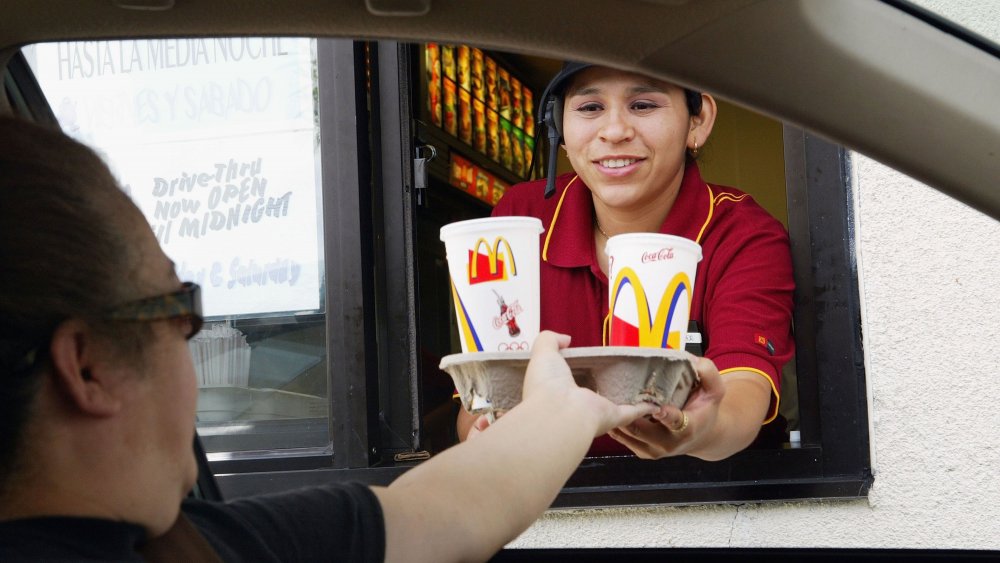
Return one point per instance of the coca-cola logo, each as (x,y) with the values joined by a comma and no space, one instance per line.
(508,314)
(661,254)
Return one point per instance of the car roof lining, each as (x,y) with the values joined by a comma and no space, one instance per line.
(858,72)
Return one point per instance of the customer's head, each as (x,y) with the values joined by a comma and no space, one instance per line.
(74,249)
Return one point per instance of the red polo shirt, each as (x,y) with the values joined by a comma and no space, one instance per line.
(743,288)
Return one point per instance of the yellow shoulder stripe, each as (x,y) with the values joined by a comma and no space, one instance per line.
(714,200)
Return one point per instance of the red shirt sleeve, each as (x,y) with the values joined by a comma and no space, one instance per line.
(747,307)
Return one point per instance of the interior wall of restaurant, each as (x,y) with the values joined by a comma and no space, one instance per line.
(929,270)
(745,151)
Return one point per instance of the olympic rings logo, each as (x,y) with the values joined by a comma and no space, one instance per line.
(522,346)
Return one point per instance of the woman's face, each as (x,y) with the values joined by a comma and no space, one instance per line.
(166,391)
(626,135)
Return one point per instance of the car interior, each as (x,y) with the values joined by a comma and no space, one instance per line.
(340,380)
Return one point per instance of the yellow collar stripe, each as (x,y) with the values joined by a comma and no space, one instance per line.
(711,211)
(548,235)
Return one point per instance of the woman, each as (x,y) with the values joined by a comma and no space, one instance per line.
(97,407)
(632,141)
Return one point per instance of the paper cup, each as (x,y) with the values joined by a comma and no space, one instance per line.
(651,282)
(493,263)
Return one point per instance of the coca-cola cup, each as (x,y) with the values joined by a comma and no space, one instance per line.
(651,282)
(493,265)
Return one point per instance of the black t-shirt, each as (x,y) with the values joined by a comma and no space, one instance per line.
(330,523)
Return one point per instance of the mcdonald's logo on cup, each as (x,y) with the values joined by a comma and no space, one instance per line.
(493,266)
(652,281)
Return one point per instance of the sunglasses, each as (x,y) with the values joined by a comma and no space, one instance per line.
(180,304)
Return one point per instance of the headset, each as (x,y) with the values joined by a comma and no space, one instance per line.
(553,128)
(551,117)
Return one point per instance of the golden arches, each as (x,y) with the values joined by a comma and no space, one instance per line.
(493,254)
(654,332)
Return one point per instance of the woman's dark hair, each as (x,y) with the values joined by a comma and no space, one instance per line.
(63,253)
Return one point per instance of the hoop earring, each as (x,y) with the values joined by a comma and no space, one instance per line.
(694,151)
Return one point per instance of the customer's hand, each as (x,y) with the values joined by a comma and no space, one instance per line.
(549,378)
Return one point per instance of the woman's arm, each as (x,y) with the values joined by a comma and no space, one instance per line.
(470,500)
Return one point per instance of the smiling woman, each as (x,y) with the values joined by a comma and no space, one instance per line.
(628,137)
(631,141)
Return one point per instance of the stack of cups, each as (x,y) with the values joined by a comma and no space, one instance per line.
(494,263)
(650,280)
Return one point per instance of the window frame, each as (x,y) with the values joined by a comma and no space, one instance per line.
(834,458)
(367,142)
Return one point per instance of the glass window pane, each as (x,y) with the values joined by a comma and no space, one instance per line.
(217,141)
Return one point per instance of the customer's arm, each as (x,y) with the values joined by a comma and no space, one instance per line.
(470,500)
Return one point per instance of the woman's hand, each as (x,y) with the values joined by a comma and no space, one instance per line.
(478,425)
(719,419)
(548,378)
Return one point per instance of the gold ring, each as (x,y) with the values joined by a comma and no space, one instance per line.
(684,424)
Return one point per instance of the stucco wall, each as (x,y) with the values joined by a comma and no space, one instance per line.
(930,284)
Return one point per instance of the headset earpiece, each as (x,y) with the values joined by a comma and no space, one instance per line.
(552,118)
(551,102)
